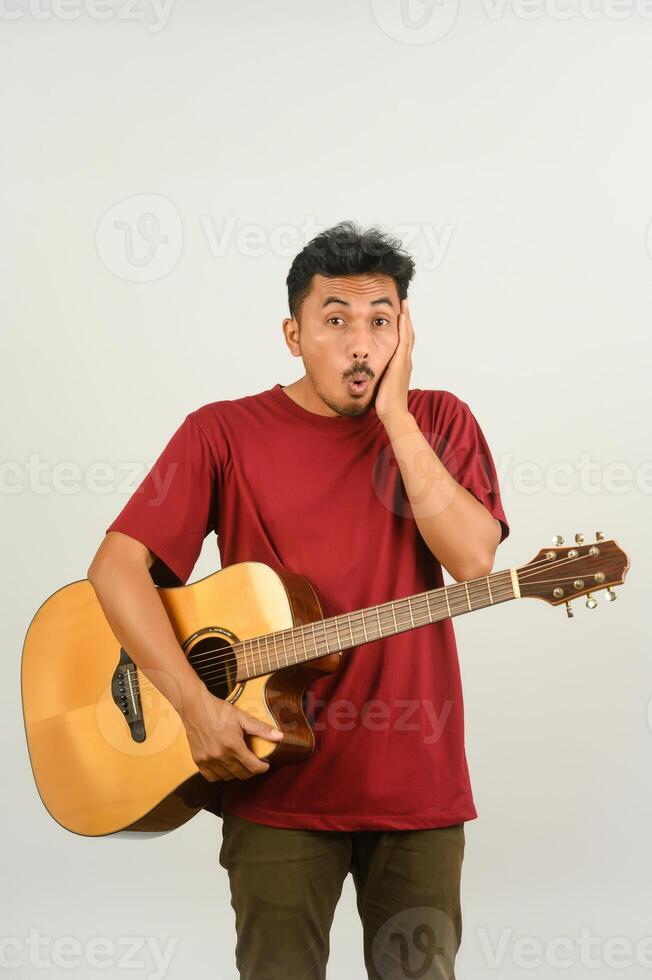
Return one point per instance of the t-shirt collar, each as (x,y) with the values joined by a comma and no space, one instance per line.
(332,422)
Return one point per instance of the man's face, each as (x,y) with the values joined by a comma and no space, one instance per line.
(348,328)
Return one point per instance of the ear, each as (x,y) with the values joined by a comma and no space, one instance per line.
(291,333)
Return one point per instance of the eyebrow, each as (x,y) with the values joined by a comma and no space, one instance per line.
(375,302)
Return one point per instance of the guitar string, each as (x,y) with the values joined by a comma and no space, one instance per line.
(261,655)
(500,591)
(474,584)
(383,608)
(457,605)
(269,654)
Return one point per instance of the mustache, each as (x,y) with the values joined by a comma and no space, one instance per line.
(359,370)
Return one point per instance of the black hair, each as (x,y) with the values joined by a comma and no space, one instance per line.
(347,250)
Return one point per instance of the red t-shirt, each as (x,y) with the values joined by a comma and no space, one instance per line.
(323,496)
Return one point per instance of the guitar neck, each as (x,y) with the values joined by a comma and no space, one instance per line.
(299,644)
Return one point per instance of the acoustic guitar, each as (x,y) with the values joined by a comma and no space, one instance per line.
(110,754)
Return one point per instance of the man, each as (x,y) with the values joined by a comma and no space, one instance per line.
(367,488)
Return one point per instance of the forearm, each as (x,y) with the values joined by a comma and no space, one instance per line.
(136,614)
(458,530)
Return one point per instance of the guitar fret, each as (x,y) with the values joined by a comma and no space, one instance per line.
(285,653)
(294,647)
(315,641)
(303,638)
(423,611)
(410,612)
(337,631)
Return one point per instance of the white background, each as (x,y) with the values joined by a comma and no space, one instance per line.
(517,137)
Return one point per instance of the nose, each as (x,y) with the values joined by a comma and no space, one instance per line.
(358,345)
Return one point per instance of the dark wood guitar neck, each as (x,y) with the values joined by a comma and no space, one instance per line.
(273,651)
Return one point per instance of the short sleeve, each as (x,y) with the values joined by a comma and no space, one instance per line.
(465,453)
(175,506)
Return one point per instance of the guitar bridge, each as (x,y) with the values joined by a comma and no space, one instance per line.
(126,695)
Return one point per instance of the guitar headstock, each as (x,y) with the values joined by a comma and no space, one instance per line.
(560,574)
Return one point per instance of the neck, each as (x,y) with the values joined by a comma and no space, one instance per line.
(304,394)
(272,651)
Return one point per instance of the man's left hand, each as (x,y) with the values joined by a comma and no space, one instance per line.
(392,393)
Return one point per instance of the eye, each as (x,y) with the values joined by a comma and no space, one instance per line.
(379,319)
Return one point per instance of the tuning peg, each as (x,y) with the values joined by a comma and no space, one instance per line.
(591,602)
(599,536)
(579,539)
(611,595)
(557,540)
(569,611)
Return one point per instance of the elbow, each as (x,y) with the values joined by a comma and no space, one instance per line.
(484,565)
(93,573)
(97,569)
(92,570)
(114,557)
(484,568)
(478,568)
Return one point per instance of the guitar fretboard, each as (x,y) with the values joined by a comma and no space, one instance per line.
(298,644)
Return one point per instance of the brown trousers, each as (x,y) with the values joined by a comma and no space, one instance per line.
(285,884)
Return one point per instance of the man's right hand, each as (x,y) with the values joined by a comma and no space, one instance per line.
(216,730)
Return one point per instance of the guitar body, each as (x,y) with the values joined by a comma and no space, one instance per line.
(108,751)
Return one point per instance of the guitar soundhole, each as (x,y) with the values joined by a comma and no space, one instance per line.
(214,661)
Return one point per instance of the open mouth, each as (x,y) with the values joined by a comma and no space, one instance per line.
(358,384)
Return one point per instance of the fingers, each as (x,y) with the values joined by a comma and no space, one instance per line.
(243,757)
(232,768)
(408,322)
(214,774)
(247,762)
(228,756)
(236,761)
(253,726)
(247,765)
